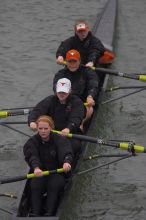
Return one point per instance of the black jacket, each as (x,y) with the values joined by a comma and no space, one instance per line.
(91,48)
(69,115)
(48,155)
(84,81)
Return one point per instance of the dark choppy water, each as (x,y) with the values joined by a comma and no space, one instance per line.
(30,34)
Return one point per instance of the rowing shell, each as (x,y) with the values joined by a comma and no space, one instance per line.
(104,29)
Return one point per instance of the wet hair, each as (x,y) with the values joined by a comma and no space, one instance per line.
(45,118)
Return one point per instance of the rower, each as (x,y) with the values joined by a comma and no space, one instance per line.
(91,49)
(47,151)
(67,111)
(84,80)
(89,46)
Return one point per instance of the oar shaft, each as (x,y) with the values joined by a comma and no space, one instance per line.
(87,138)
(124,87)
(19,108)
(139,77)
(13,179)
(96,156)
(124,146)
(13,122)
(29,176)
(103,165)
(120,97)
(8,195)
(79,137)
(5,114)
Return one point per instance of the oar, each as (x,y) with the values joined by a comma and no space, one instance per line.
(138,76)
(103,165)
(124,87)
(14,129)
(120,97)
(96,156)
(25,122)
(6,211)
(5,114)
(19,111)
(8,195)
(18,108)
(123,146)
(29,176)
(13,122)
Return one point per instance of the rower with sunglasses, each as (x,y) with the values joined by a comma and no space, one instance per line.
(84,80)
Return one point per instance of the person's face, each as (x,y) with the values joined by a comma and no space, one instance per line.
(73,65)
(82,34)
(62,96)
(44,130)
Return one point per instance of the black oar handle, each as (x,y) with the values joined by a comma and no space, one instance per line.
(85,138)
(13,122)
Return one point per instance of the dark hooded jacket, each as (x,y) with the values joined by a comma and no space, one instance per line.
(48,155)
(91,48)
(84,81)
(69,115)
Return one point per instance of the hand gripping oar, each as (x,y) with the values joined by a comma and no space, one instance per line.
(29,176)
(5,114)
(131,147)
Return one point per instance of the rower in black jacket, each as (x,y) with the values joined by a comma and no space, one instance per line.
(89,46)
(84,80)
(67,111)
(47,151)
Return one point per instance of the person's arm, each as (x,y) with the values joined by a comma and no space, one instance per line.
(96,50)
(65,152)
(42,108)
(77,114)
(31,154)
(92,84)
(90,100)
(65,46)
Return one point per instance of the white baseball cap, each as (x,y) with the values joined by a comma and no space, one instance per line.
(63,85)
(81,27)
